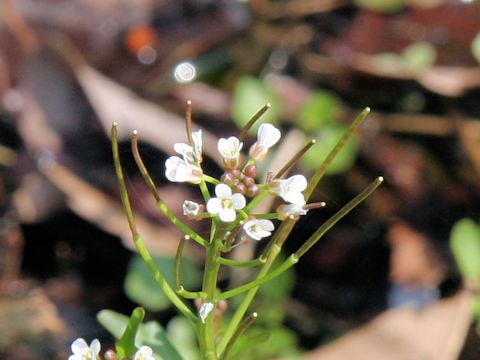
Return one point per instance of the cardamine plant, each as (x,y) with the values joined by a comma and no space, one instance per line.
(229,205)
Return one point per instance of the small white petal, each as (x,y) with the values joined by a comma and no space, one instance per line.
(294,198)
(197,143)
(182,148)
(95,346)
(214,205)
(205,309)
(266,225)
(268,135)
(79,345)
(227,215)
(238,201)
(223,191)
(298,182)
(144,353)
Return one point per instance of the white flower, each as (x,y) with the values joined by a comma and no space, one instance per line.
(286,210)
(81,351)
(225,203)
(230,151)
(258,229)
(180,170)
(267,136)
(230,148)
(290,189)
(191,154)
(191,208)
(205,309)
(144,353)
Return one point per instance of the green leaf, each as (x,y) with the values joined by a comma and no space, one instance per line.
(327,138)
(419,56)
(155,336)
(384,6)
(125,346)
(183,337)
(250,95)
(114,322)
(322,107)
(476,47)
(465,244)
(150,333)
(141,288)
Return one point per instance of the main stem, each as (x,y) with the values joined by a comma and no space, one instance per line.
(209,287)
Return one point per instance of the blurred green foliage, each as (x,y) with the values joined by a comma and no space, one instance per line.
(151,334)
(249,95)
(142,289)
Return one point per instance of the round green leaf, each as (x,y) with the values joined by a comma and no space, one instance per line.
(326,140)
(141,288)
(320,108)
(419,56)
(465,244)
(250,95)
(476,47)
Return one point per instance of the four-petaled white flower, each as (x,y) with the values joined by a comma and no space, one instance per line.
(187,168)
(230,148)
(290,189)
(179,170)
(286,210)
(267,136)
(144,353)
(230,151)
(205,309)
(258,229)
(226,203)
(81,351)
(191,208)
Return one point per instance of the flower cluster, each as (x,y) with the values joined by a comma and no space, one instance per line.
(82,351)
(237,182)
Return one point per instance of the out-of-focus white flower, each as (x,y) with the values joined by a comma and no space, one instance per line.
(179,170)
(144,353)
(191,208)
(230,151)
(290,189)
(267,136)
(258,229)
(286,210)
(205,309)
(81,351)
(226,203)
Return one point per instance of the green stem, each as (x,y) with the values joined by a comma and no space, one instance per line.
(291,260)
(250,263)
(209,288)
(137,239)
(210,179)
(240,330)
(238,315)
(179,289)
(327,225)
(159,202)
(253,119)
(318,175)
